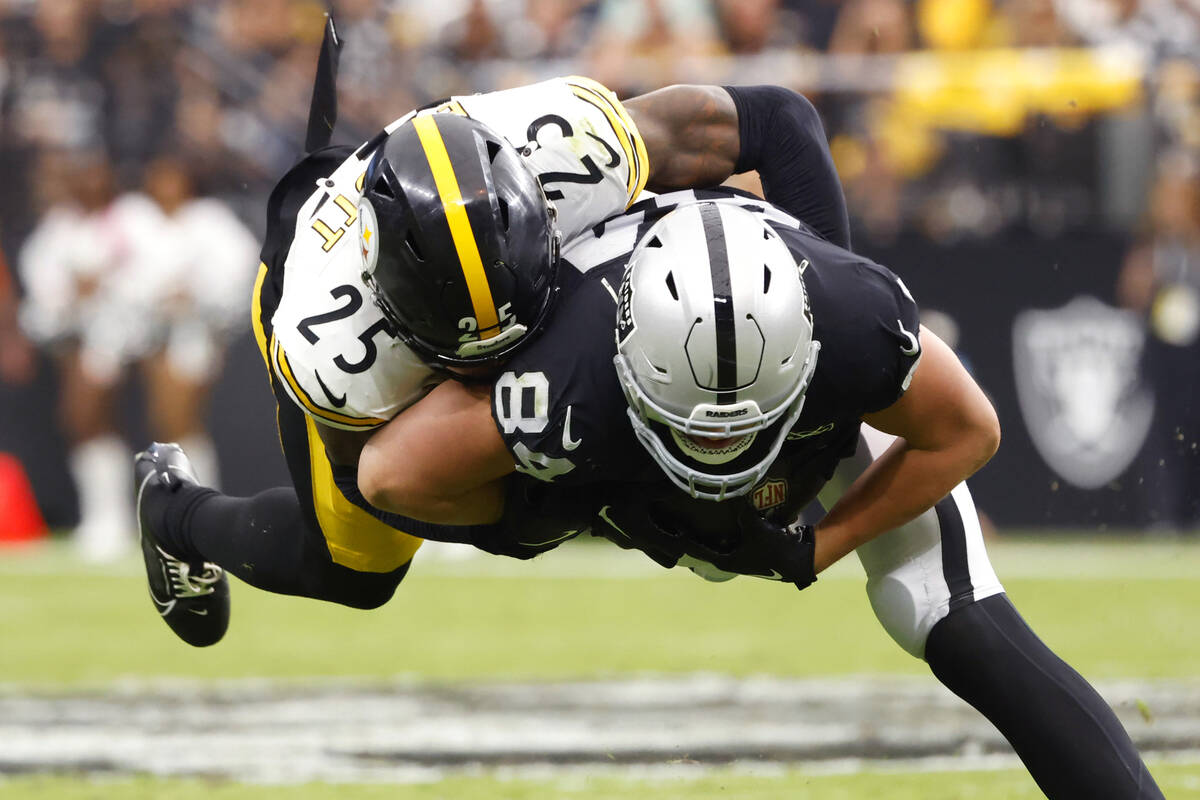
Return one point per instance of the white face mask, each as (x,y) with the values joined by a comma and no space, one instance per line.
(698,449)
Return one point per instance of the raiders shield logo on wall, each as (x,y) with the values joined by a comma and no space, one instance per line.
(1079,388)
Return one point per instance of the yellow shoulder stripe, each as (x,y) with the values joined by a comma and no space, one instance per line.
(623,126)
(486,316)
(284,370)
(256,313)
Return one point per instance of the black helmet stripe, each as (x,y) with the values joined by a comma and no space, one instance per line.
(726,330)
(467,248)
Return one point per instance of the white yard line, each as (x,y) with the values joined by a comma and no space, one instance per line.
(268,732)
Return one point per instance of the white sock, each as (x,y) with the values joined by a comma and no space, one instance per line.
(203,455)
(103,471)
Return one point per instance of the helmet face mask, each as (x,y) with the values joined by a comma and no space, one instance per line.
(758,438)
(459,244)
(714,428)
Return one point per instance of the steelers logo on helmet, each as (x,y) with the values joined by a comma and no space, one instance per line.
(368,238)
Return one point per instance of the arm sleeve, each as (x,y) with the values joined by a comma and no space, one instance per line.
(782,137)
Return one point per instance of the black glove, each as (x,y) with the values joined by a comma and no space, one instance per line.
(732,535)
(764,549)
(537,517)
(627,522)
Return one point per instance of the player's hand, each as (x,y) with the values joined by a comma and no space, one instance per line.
(537,518)
(764,549)
(628,523)
(739,542)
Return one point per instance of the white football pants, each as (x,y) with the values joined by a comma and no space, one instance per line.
(921,571)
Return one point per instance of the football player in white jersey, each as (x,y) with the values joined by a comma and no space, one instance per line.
(432,247)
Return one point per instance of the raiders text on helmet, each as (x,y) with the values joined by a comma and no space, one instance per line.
(715,347)
(459,242)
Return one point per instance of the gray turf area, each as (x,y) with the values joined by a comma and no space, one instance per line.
(266,731)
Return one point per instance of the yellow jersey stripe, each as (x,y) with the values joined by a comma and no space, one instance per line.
(355,538)
(627,128)
(256,311)
(284,370)
(486,316)
(614,123)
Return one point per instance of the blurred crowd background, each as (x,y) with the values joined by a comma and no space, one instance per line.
(1004,156)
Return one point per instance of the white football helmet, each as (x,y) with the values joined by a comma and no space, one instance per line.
(715,346)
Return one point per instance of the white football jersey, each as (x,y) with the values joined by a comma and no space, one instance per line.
(78,269)
(332,348)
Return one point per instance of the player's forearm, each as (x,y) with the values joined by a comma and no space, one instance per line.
(896,488)
(698,136)
(441,460)
(407,481)
(690,133)
(482,505)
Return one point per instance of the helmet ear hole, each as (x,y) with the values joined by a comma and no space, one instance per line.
(503,204)
(493,150)
(766,278)
(411,241)
(384,189)
(671,286)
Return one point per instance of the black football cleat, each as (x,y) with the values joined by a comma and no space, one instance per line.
(191,598)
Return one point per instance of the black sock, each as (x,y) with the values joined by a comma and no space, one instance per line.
(1068,737)
(164,511)
(266,541)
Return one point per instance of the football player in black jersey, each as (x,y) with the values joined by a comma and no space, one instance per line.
(973,641)
(759,366)
(692,135)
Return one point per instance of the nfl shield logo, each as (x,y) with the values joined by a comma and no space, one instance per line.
(769,494)
(1078,384)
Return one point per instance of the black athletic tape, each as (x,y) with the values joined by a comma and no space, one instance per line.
(322,111)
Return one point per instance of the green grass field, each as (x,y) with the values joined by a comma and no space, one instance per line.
(1114,609)
(1177,783)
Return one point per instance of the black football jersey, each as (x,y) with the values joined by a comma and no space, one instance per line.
(561,410)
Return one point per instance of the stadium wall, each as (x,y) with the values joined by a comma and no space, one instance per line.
(984,286)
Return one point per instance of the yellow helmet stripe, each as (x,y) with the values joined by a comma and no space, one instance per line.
(486,317)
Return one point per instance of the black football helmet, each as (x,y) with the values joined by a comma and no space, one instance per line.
(459,243)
